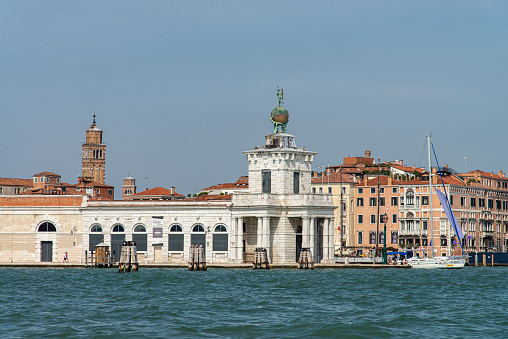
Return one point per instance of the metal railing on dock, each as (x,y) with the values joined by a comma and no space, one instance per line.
(261,259)
(197,258)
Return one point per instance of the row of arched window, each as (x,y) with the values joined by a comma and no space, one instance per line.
(141,228)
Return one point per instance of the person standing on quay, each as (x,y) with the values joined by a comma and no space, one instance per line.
(66,257)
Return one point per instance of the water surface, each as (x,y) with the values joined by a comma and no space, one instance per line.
(163,303)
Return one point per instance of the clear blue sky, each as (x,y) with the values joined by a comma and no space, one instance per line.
(181,88)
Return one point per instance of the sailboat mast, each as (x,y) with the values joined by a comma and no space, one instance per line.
(431,220)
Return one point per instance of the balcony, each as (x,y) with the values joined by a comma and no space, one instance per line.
(411,232)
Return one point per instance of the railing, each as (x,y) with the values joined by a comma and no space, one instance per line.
(281,199)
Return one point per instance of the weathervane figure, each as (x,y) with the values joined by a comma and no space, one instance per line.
(280,115)
(280,95)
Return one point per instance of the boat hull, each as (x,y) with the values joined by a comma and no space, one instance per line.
(438,262)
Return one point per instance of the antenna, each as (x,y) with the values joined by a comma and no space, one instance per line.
(147,183)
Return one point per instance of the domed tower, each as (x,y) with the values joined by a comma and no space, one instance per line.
(94,155)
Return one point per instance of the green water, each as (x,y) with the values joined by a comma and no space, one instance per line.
(163,303)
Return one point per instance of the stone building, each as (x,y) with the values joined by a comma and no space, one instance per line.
(94,155)
(279,213)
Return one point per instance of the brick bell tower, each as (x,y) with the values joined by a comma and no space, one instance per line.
(94,155)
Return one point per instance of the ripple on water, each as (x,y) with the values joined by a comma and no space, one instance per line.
(79,303)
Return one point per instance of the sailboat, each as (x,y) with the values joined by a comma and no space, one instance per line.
(439,261)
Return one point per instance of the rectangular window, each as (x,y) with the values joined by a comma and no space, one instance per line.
(372,190)
(395,201)
(372,238)
(110,192)
(462,201)
(424,225)
(425,200)
(266,181)
(481,202)
(359,202)
(343,190)
(394,237)
(320,190)
(220,242)
(360,238)
(314,190)
(451,200)
(394,218)
(360,218)
(98,191)
(490,203)
(394,189)
(329,190)
(372,202)
(360,190)
(473,202)
(372,218)
(381,201)
(498,204)
(401,201)
(443,242)
(296,182)
(381,190)
(35,180)
(47,179)
(424,242)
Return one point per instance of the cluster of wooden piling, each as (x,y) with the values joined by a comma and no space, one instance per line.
(197,258)
(261,259)
(100,258)
(305,261)
(484,261)
(129,257)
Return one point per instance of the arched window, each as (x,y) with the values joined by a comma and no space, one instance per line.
(96,228)
(175,238)
(117,241)
(118,228)
(176,228)
(46,227)
(140,237)
(198,236)
(410,197)
(220,228)
(95,237)
(198,228)
(360,238)
(220,238)
(140,228)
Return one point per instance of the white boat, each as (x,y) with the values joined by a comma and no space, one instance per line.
(440,261)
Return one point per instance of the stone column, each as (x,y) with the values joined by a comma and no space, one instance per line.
(259,242)
(312,231)
(326,249)
(232,235)
(305,232)
(266,234)
(331,237)
(239,240)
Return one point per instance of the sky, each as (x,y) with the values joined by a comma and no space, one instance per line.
(181,88)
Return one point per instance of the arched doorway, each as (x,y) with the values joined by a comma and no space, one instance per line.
(117,239)
(95,237)
(46,246)
(198,236)
(298,242)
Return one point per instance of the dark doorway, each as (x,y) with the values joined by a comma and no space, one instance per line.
(319,239)
(116,245)
(298,242)
(46,251)
(94,239)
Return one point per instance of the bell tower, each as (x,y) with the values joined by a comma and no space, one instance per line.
(94,155)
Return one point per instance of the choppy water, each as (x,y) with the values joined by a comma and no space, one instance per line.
(163,303)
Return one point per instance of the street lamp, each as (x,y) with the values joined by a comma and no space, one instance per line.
(384,220)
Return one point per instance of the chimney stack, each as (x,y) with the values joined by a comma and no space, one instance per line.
(172,189)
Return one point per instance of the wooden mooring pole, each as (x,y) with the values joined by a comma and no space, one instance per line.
(261,259)
(197,258)
(305,261)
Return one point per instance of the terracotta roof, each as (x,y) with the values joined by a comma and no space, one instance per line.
(20,201)
(486,174)
(383,181)
(48,174)
(448,180)
(16,182)
(206,197)
(334,177)
(89,183)
(242,182)
(408,169)
(157,191)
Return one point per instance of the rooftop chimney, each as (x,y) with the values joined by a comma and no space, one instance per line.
(172,189)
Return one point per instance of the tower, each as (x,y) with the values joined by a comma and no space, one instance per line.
(128,187)
(94,155)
